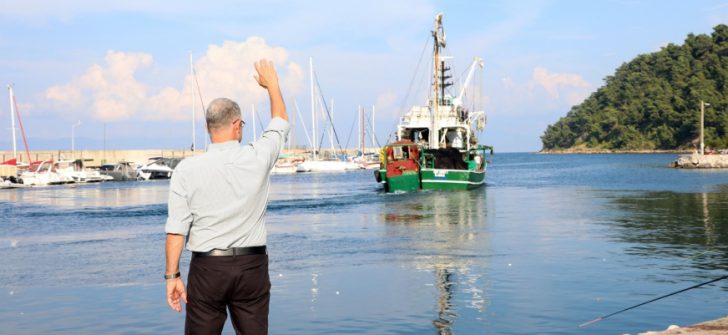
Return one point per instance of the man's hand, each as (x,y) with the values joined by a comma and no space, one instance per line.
(176,290)
(267,76)
(268,79)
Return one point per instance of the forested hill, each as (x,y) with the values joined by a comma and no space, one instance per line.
(653,102)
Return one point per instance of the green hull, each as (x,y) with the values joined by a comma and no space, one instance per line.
(434,179)
(440,179)
(404,183)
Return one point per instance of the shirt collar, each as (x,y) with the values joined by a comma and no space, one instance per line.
(223,146)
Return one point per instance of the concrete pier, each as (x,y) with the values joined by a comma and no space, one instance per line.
(98,157)
(698,161)
(714,327)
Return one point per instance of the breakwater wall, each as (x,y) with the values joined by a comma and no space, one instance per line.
(95,158)
(697,161)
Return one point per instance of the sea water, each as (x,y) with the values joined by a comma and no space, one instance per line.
(550,242)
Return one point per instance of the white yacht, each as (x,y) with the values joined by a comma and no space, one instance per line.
(158,168)
(42,174)
(326,166)
(75,170)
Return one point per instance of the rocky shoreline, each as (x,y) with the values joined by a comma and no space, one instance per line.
(696,161)
(714,327)
(600,151)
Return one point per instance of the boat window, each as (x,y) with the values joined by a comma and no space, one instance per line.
(398,153)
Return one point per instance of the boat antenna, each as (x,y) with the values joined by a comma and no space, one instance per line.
(588,323)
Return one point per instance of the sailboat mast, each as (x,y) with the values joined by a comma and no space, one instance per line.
(292,134)
(192,101)
(361,129)
(12,120)
(373,136)
(331,129)
(313,107)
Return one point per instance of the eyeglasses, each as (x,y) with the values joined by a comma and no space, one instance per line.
(242,123)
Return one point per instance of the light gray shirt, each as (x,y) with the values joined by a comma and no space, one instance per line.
(219,199)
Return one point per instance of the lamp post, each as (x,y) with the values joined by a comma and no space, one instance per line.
(73,138)
(702,126)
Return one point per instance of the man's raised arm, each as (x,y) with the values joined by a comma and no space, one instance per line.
(268,79)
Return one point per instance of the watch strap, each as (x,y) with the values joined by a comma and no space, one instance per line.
(172,276)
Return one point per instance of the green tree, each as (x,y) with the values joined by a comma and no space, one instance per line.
(652,101)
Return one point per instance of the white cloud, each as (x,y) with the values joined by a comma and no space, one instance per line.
(557,84)
(111,92)
(386,100)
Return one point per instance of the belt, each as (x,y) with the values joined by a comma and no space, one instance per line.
(259,250)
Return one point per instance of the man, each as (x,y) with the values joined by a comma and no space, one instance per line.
(217,202)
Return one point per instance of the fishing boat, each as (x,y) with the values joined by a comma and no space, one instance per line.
(436,144)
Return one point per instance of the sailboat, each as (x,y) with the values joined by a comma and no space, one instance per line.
(316,164)
(40,173)
(436,146)
(366,160)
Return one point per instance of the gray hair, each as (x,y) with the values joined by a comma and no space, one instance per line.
(221,112)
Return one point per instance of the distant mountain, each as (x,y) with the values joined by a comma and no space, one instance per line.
(653,102)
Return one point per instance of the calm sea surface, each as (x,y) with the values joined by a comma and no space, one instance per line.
(552,241)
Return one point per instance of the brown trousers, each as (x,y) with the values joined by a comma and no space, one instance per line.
(238,283)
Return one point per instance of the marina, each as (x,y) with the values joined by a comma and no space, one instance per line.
(551,241)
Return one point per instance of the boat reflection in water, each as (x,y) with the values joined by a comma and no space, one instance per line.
(446,234)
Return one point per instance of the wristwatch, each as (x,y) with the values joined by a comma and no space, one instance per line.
(176,275)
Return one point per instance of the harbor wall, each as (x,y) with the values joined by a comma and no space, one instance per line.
(95,158)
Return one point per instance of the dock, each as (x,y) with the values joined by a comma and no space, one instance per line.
(714,327)
(698,161)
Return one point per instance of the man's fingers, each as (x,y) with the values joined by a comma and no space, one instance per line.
(184,296)
(173,303)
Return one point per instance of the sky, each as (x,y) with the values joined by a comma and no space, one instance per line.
(123,68)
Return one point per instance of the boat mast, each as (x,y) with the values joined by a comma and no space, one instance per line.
(313,107)
(331,129)
(192,100)
(439,35)
(12,120)
(361,129)
(371,120)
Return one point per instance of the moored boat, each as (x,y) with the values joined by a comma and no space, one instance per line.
(121,171)
(436,146)
(43,173)
(326,166)
(158,168)
(75,170)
